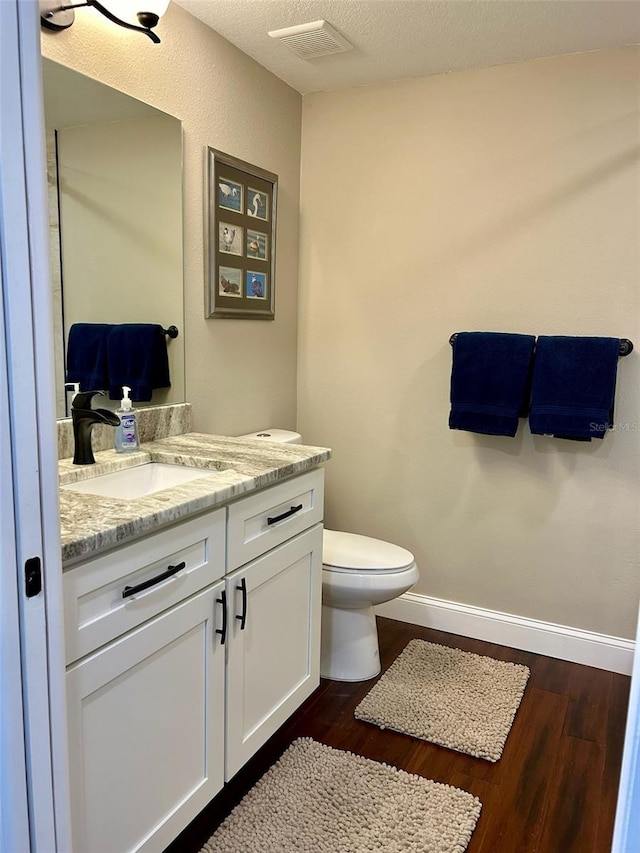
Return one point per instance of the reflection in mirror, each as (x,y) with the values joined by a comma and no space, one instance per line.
(115,198)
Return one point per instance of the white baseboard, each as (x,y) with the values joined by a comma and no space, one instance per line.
(530,635)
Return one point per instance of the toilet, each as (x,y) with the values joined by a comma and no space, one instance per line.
(358,572)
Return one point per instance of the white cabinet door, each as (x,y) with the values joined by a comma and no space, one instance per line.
(273,655)
(146,728)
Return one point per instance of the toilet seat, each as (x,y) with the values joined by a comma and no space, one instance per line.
(350,552)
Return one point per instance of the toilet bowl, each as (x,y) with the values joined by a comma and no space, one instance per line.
(358,572)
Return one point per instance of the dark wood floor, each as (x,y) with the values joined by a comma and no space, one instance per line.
(553,790)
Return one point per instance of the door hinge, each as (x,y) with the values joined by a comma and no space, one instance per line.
(32,577)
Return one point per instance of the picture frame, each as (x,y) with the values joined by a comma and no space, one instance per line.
(240,239)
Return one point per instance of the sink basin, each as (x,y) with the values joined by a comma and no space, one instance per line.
(139,481)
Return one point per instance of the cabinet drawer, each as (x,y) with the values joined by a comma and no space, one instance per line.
(268,518)
(95,609)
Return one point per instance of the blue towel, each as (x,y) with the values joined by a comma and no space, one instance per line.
(573,386)
(490,381)
(87,355)
(138,358)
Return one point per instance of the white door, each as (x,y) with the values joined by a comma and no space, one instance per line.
(33,760)
(146,729)
(273,655)
(626,836)
(14,815)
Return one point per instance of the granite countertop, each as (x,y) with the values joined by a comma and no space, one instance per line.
(91,524)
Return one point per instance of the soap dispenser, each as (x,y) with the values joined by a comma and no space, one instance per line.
(127,432)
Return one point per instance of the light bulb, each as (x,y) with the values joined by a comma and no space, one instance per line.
(130,10)
(156,7)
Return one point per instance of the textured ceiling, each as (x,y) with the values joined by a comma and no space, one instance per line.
(414,38)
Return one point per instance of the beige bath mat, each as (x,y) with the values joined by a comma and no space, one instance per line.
(456,699)
(317,799)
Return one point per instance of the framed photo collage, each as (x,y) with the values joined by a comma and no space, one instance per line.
(241,239)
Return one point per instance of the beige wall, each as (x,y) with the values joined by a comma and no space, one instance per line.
(240,375)
(502,199)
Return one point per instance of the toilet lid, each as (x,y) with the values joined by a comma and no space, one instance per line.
(362,553)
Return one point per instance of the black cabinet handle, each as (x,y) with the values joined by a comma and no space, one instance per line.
(243,616)
(292,511)
(172,570)
(223,631)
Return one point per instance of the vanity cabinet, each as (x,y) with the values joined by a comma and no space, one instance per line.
(172,686)
(145,687)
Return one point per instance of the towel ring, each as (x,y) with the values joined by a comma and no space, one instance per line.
(626,346)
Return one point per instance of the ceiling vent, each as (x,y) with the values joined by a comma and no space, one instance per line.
(309,41)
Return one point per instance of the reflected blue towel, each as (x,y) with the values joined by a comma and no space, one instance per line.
(137,354)
(87,361)
(573,386)
(490,381)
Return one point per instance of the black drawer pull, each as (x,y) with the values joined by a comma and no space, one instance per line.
(172,570)
(223,630)
(292,511)
(243,616)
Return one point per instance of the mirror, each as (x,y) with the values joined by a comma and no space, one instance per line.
(114,169)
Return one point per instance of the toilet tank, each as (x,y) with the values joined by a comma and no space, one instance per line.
(285,436)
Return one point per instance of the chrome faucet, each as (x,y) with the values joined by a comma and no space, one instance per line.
(84,418)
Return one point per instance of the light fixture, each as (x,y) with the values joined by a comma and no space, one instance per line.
(58,15)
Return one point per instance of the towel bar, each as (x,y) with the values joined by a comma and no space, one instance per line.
(172,331)
(626,346)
